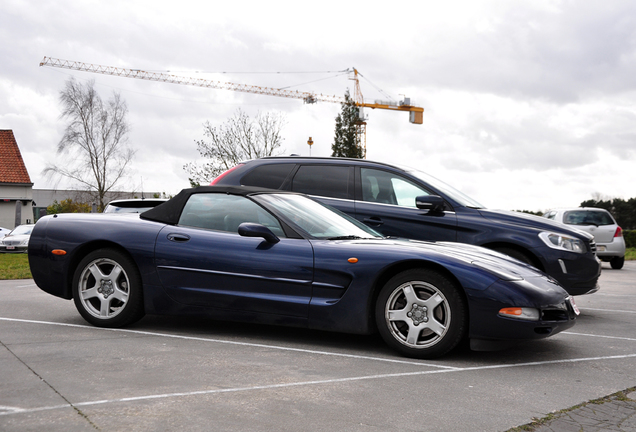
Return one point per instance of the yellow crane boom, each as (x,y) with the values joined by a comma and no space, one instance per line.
(416,113)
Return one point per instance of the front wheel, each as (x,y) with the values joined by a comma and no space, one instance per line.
(107,289)
(421,314)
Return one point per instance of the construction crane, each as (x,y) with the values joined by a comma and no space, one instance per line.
(416,114)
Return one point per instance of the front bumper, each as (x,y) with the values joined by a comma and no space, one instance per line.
(556,311)
(577,273)
(13,249)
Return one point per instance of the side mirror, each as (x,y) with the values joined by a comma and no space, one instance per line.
(250,229)
(432,203)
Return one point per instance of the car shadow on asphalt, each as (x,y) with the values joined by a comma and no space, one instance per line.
(316,340)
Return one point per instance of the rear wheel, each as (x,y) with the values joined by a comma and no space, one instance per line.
(421,314)
(617,262)
(107,289)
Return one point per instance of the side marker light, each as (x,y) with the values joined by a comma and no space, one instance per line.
(522,313)
(58,252)
(353,260)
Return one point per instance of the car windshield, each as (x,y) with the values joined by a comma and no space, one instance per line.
(22,230)
(316,219)
(448,190)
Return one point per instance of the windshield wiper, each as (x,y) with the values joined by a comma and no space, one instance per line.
(347,237)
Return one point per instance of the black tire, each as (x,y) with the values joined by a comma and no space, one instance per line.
(107,289)
(617,262)
(516,254)
(421,314)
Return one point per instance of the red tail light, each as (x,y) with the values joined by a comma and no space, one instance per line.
(619,232)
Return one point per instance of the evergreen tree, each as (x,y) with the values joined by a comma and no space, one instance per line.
(345,143)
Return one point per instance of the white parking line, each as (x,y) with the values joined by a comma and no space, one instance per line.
(608,310)
(16,410)
(599,336)
(228,342)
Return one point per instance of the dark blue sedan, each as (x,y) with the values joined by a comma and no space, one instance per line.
(253,255)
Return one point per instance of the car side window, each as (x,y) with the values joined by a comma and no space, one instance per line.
(222,212)
(388,188)
(333,181)
(269,176)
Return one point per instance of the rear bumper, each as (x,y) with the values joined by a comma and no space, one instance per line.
(610,250)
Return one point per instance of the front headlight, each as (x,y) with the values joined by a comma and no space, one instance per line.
(24,242)
(563,242)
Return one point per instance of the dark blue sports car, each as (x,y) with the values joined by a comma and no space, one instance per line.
(263,256)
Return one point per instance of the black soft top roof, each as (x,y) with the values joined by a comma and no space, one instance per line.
(170,211)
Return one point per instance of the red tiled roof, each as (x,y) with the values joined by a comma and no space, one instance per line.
(12,168)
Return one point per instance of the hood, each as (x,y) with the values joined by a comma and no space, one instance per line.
(503,266)
(532,221)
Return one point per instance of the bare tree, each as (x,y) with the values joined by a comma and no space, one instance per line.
(239,139)
(95,139)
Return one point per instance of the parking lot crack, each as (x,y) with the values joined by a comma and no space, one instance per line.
(77,410)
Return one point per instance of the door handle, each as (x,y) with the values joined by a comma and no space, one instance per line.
(373,220)
(178,238)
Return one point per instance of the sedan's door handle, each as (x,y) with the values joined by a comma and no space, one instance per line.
(373,220)
(178,238)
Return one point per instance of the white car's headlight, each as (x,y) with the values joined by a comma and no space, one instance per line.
(563,242)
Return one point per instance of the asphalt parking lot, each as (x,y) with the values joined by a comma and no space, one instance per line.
(163,374)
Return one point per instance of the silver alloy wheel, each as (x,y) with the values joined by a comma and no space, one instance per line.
(417,314)
(103,288)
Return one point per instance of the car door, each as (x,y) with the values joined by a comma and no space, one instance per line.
(203,261)
(385,201)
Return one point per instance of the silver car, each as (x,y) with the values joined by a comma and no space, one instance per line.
(133,205)
(4,231)
(610,244)
(17,241)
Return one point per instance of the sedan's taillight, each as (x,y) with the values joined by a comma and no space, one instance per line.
(619,232)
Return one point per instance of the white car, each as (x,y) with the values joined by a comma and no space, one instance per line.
(610,244)
(133,205)
(17,241)
(4,231)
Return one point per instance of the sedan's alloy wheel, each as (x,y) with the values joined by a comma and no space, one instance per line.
(107,289)
(104,288)
(418,314)
(421,313)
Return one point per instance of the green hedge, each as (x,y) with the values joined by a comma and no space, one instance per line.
(630,238)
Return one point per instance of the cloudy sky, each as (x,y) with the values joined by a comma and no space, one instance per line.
(528,104)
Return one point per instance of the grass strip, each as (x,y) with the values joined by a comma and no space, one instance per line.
(14,266)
